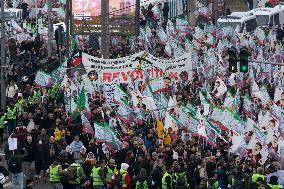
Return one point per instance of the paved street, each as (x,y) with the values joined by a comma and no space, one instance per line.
(37,186)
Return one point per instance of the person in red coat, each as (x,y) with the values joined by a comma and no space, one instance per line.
(125,178)
(21,133)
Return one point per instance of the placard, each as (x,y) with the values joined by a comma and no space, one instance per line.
(13,143)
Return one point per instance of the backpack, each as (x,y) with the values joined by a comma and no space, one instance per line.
(72,172)
(64,177)
(118,179)
(142,185)
(180,180)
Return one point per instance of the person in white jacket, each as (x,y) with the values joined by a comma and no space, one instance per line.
(11,89)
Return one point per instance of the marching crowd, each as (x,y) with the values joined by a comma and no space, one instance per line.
(54,149)
(63,154)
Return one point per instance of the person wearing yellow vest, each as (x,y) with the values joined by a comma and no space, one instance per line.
(76,175)
(212,182)
(11,117)
(2,125)
(110,170)
(259,173)
(97,175)
(260,183)
(123,175)
(142,181)
(167,180)
(273,183)
(54,173)
(238,180)
(181,179)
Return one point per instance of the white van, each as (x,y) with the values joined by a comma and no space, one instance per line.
(15,14)
(266,17)
(279,16)
(243,19)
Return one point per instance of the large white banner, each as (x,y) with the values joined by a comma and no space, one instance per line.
(136,66)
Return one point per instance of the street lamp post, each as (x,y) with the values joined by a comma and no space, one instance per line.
(105,33)
(191,5)
(137,18)
(49,43)
(3,57)
(67,23)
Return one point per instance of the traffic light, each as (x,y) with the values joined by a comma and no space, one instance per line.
(233,61)
(60,31)
(59,37)
(244,55)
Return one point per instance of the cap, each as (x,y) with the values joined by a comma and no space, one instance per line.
(154,154)
(124,166)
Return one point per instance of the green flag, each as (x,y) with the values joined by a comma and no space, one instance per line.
(81,101)
(72,44)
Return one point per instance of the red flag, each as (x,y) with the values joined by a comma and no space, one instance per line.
(76,61)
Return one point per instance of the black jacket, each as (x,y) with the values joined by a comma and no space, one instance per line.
(31,152)
(97,151)
(15,165)
(157,176)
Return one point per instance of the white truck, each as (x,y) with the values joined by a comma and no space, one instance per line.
(266,17)
(242,19)
(14,14)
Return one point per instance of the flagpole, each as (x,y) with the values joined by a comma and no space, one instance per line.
(202,143)
(219,134)
(163,135)
(36,17)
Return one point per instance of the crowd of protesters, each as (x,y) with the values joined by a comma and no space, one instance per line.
(51,149)
(47,146)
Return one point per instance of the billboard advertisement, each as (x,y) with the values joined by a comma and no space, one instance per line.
(87,15)
(93,7)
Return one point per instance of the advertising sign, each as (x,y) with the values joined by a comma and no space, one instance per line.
(121,15)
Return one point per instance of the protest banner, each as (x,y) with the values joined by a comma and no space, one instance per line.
(110,69)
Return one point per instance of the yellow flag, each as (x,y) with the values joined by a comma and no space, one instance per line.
(167,139)
(57,134)
(160,129)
